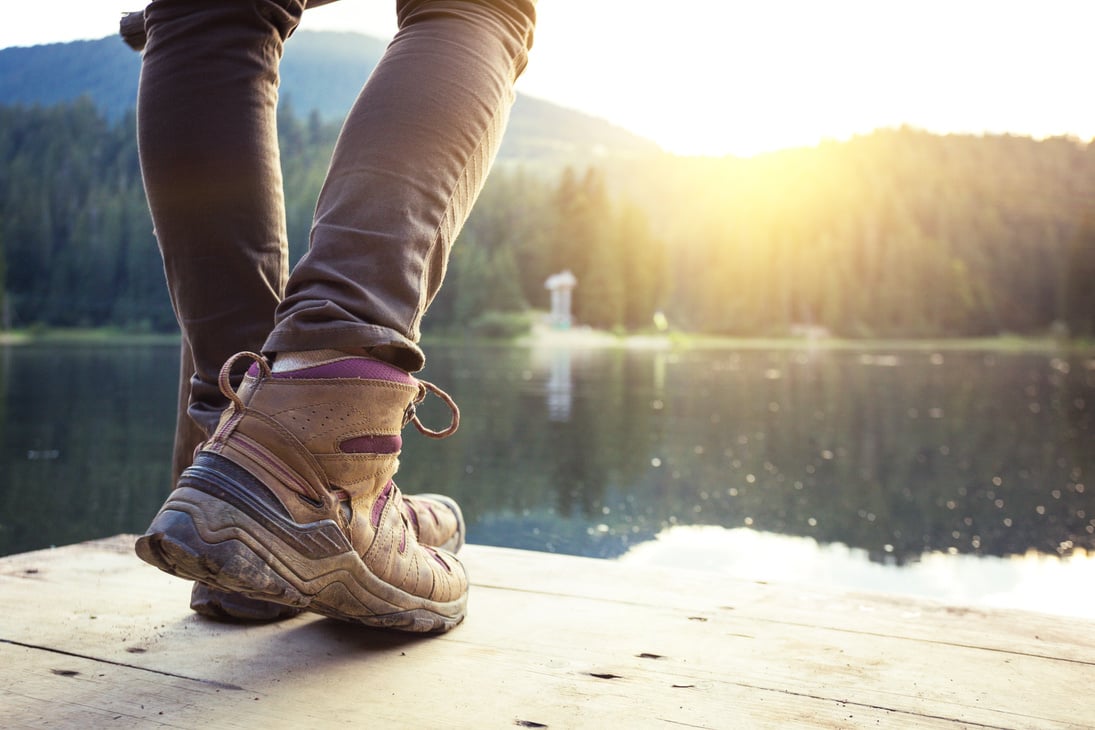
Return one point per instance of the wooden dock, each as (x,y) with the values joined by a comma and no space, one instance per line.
(91,637)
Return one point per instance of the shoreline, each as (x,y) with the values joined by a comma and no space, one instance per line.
(588,338)
(582,337)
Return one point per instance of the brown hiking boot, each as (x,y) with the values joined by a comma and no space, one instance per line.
(436,519)
(292,500)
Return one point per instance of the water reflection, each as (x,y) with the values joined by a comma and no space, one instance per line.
(1031,582)
(900,455)
(559,389)
(85,441)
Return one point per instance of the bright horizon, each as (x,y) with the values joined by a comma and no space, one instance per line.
(714,77)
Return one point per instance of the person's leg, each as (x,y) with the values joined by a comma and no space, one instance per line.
(207,135)
(410,161)
(188,434)
(292,500)
(209,156)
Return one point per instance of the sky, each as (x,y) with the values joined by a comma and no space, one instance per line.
(717,77)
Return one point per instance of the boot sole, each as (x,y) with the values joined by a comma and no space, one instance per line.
(233,607)
(223,528)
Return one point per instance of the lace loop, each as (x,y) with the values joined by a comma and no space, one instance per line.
(423,389)
(224,380)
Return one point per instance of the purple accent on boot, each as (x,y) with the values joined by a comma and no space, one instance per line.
(438,558)
(414,519)
(253,371)
(372,445)
(380,503)
(352,367)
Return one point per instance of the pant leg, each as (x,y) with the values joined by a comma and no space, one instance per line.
(206,124)
(409,163)
(188,434)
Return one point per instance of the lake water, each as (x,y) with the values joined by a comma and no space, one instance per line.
(961,476)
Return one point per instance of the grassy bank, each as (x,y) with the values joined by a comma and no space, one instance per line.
(580,337)
(100,336)
(999,343)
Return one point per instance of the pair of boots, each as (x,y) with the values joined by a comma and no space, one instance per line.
(290,505)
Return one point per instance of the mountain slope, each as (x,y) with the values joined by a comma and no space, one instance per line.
(105,70)
(321,71)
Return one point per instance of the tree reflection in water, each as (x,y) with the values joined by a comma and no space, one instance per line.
(896,453)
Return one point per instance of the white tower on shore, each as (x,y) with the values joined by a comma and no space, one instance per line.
(561,285)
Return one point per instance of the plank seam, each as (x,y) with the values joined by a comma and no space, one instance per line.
(869,706)
(956,644)
(62,652)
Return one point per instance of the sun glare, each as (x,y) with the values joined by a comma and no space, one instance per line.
(1030,582)
(712,78)
(706,77)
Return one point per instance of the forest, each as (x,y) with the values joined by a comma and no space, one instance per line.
(899,233)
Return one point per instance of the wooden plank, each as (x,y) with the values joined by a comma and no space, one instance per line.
(549,640)
(858,611)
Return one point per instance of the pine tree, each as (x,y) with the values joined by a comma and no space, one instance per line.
(1079,284)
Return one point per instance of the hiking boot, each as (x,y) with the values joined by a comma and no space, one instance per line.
(292,500)
(436,519)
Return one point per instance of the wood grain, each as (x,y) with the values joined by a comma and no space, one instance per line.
(90,636)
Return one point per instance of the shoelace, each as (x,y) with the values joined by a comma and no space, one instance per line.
(412,412)
(410,416)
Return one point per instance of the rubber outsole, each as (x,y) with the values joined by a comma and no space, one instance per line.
(230,606)
(234,537)
(235,607)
